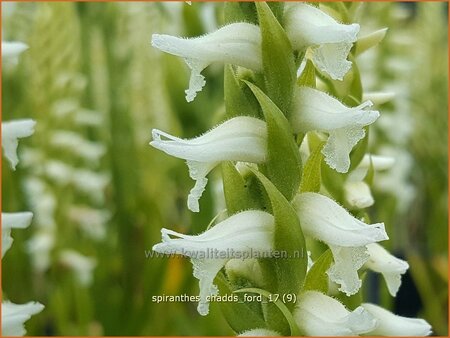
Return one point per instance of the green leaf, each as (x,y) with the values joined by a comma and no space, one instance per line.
(312,171)
(238,99)
(239,315)
(240,11)
(317,279)
(295,331)
(288,239)
(238,196)
(283,164)
(277,58)
(308,76)
(370,173)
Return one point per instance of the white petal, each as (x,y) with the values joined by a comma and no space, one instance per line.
(357,194)
(315,110)
(241,235)
(17,220)
(90,151)
(15,315)
(320,315)
(259,333)
(83,266)
(390,324)
(237,43)
(325,220)
(10,50)
(389,266)
(308,26)
(11,132)
(238,139)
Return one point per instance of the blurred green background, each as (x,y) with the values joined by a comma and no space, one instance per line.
(96,88)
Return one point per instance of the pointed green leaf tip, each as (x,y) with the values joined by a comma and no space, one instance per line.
(311,178)
(283,164)
(290,269)
(317,279)
(277,58)
(308,76)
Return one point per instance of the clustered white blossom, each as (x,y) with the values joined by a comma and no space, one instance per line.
(14,316)
(353,243)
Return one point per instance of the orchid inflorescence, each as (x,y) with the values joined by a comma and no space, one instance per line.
(282,64)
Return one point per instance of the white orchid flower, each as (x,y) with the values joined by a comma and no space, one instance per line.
(389,266)
(11,50)
(319,315)
(15,315)
(238,139)
(329,41)
(81,265)
(390,324)
(238,44)
(259,333)
(239,236)
(358,194)
(16,220)
(11,132)
(315,110)
(325,220)
(245,268)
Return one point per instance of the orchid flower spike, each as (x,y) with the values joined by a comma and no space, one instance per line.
(239,236)
(11,50)
(15,315)
(238,44)
(317,314)
(11,132)
(315,110)
(390,324)
(389,266)
(325,220)
(238,139)
(17,220)
(329,41)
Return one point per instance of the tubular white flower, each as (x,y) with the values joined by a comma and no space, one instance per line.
(325,220)
(11,50)
(237,43)
(14,317)
(17,220)
(379,97)
(90,151)
(319,315)
(238,139)
(239,236)
(389,266)
(11,132)
(315,110)
(259,333)
(330,41)
(245,268)
(390,324)
(357,194)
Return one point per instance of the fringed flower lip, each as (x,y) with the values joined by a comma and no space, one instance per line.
(316,110)
(390,324)
(16,220)
(238,139)
(391,267)
(320,315)
(12,131)
(237,43)
(325,220)
(329,41)
(245,233)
